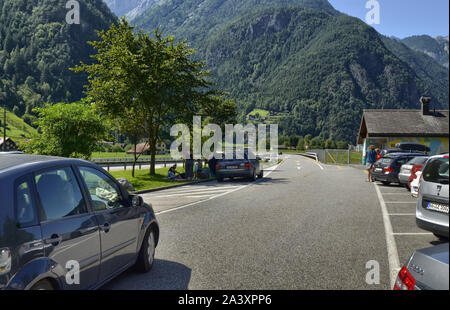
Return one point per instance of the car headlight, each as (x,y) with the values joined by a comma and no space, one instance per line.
(5,261)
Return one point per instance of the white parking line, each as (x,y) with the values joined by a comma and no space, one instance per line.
(401,214)
(272,169)
(410,202)
(193,193)
(394,262)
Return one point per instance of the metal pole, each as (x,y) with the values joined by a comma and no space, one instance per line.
(4,129)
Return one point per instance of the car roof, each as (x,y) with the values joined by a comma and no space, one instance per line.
(395,155)
(10,162)
(440,155)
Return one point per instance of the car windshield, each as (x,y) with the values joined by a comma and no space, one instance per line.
(420,160)
(436,171)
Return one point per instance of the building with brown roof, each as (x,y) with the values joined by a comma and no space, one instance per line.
(385,128)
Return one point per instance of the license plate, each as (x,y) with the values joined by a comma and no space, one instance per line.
(378,169)
(438,207)
(232,167)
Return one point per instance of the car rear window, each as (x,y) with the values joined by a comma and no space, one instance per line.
(436,171)
(420,160)
(385,160)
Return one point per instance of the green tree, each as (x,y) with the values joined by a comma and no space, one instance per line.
(308,138)
(330,144)
(67,130)
(301,144)
(154,76)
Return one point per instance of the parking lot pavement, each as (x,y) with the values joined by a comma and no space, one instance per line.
(184,196)
(403,236)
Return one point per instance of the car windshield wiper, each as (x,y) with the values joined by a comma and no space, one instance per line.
(443,181)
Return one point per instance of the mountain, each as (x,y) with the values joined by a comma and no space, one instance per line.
(130,8)
(37,48)
(437,48)
(315,68)
(194,20)
(434,75)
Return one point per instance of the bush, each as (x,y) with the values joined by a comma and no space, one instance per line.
(116,148)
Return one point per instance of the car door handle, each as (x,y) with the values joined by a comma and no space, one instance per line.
(105,227)
(54,240)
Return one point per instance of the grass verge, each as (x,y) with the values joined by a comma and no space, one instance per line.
(143,180)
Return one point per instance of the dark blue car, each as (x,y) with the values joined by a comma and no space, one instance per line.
(68,224)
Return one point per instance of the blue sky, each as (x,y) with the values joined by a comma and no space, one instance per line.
(403,18)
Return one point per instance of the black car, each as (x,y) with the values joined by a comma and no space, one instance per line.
(387,168)
(68,224)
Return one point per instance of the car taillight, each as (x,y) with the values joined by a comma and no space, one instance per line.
(388,169)
(248,165)
(217,167)
(5,261)
(405,281)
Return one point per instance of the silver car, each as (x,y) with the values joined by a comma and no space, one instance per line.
(427,269)
(432,205)
(406,169)
(248,167)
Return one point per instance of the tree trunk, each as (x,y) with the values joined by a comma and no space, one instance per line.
(153,155)
(135,157)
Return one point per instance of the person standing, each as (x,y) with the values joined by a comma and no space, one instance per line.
(379,155)
(371,158)
(212,166)
(190,167)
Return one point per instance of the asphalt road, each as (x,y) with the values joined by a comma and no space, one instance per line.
(303,226)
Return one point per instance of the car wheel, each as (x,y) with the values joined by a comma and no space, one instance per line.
(219,179)
(386,183)
(147,253)
(43,285)
(261,174)
(253,177)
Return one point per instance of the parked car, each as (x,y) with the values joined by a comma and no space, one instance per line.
(387,169)
(56,213)
(410,168)
(239,168)
(415,183)
(426,269)
(432,204)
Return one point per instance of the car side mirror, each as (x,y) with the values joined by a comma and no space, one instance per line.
(258,158)
(137,201)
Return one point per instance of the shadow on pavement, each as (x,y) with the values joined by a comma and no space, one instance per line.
(165,275)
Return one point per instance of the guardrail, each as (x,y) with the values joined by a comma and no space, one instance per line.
(108,162)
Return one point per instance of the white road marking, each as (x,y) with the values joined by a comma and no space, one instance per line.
(398,202)
(400,214)
(273,168)
(193,193)
(394,262)
(196,189)
(319,165)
